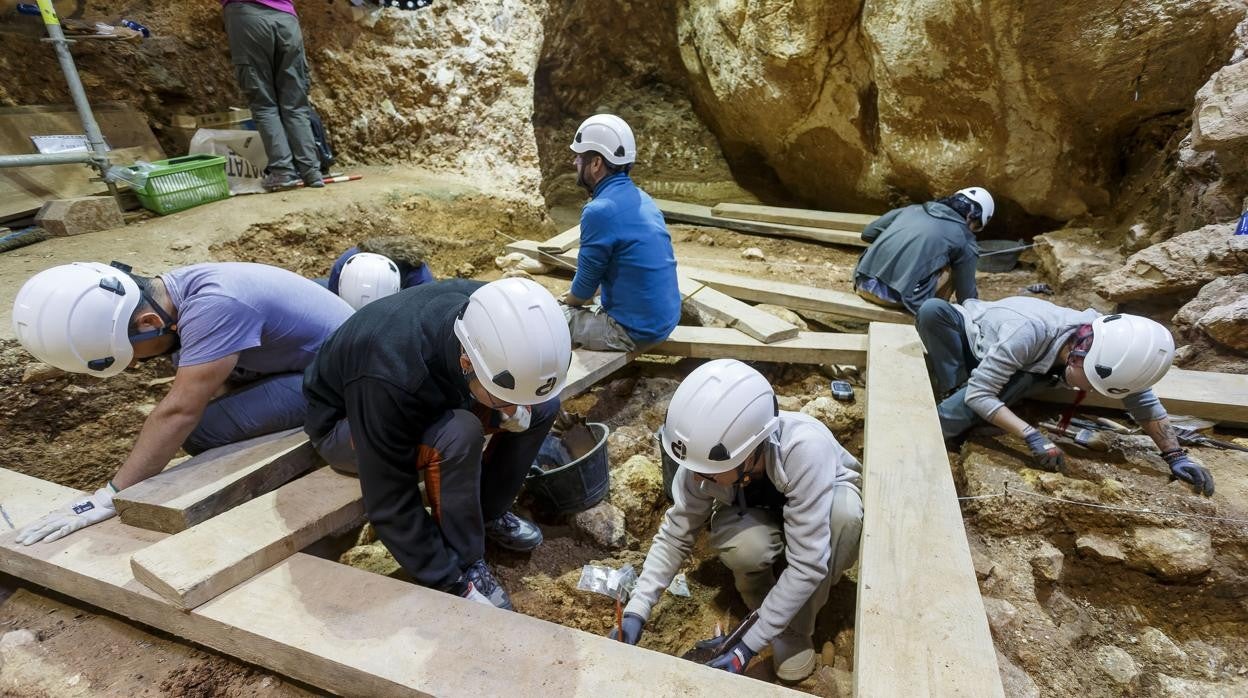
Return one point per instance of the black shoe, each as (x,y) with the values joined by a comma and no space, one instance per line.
(513,533)
(314,182)
(483,579)
(279,182)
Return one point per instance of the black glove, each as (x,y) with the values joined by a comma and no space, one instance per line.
(1184,468)
(735,659)
(1044,452)
(632,629)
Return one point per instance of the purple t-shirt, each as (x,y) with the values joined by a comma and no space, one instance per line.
(274,319)
(283,5)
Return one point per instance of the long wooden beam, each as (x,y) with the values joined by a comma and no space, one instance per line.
(216,480)
(852,222)
(563,241)
(725,342)
(693,214)
(796,296)
(920,629)
(202,562)
(351,632)
(1221,397)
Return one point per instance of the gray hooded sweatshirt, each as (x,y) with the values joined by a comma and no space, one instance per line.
(804,462)
(909,247)
(1026,334)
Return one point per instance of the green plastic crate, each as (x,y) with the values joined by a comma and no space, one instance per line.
(177,184)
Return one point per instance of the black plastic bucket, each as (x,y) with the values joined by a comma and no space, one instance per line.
(999,255)
(576,486)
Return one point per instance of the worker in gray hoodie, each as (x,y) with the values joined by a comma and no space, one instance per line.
(924,251)
(769,483)
(985,357)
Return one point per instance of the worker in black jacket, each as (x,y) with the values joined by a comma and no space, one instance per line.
(410,387)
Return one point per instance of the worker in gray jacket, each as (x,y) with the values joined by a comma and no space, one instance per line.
(924,251)
(770,483)
(985,357)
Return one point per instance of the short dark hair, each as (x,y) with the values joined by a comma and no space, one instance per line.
(963,205)
(613,169)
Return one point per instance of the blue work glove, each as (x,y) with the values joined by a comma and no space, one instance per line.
(735,659)
(1044,452)
(1184,468)
(632,629)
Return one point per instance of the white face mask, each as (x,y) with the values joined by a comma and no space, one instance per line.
(517,422)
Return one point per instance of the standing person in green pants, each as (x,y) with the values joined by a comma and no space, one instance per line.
(266,46)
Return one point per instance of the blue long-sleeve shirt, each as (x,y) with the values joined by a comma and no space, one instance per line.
(627,253)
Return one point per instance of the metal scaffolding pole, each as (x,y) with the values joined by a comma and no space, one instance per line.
(97,156)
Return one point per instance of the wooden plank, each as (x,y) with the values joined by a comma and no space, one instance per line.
(215,481)
(562,242)
(350,632)
(805,348)
(758,324)
(1222,397)
(589,367)
(693,214)
(559,260)
(24,189)
(797,296)
(851,222)
(921,629)
(202,562)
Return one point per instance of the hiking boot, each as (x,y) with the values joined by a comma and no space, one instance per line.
(513,533)
(279,182)
(793,656)
(314,181)
(483,579)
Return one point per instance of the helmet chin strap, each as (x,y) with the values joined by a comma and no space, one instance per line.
(169,326)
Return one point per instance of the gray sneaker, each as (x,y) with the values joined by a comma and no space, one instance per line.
(280,182)
(483,579)
(513,533)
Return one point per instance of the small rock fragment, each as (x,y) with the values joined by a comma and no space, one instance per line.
(603,523)
(753,253)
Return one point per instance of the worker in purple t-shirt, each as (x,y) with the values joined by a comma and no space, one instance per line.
(266,46)
(240,336)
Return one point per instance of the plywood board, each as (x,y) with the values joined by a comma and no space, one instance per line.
(797,296)
(736,314)
(351,632)
(24,189)
(207,559)
(1221,397)
(920,628)
(725,342)
(216,480)
(563,241)
(851,222)
(693,214)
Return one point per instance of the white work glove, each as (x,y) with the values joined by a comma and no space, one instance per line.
(77,514)
(517,422)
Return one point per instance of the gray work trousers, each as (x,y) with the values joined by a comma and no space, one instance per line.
(593,329)
(267,405)
(950,362)
(266,46)
(749,544)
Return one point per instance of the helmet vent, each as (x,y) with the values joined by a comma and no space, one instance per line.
(505,380)
(719,453)
(112,283)
(578,136)
(619,152)
(1104,371)
(100,364)
(1111,318)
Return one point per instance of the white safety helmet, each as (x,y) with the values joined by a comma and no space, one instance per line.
(718,415)
(517,339)
(981,196)
(366,277)
(609,136)
(76,317)
(1128,354)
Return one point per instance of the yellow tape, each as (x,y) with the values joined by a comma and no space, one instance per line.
(48,12)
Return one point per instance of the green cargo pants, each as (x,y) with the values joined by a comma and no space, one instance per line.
(266,46)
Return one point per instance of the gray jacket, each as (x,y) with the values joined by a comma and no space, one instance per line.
(909,247)
(1026,334)
(805,463)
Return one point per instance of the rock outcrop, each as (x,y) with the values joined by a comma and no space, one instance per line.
(1219,312)
(1071,259)
(1180,265)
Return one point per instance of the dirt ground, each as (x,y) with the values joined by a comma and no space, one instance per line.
(1054,636)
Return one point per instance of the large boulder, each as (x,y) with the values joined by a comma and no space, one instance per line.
(1072,259)
(1220,117)
(637,490)
(1180,265)
(1219,312)
(860,105)
(1172,554)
